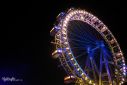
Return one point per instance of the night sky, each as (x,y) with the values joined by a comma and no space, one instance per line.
(25,49)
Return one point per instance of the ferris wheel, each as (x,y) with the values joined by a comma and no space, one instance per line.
(87,50)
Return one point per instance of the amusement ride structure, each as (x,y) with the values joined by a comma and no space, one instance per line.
(87,50)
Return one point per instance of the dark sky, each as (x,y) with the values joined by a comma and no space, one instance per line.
(25,49)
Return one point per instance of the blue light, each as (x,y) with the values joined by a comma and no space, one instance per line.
(57,27)
(59,50)
(88,49)
(100,43)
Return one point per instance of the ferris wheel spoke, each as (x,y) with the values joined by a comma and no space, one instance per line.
(86,62)
(93,65)
(88,32)
(78,44)
(84,42)
(86,35)
(108,72)
(82,65)
(100,69)
(108,56)
(81,55)
(96,68)
(79,48)
(81,37)
(86,68)
(111,72)
(82,59)
(107,69)
(91,37)
(78,29)
(97,37)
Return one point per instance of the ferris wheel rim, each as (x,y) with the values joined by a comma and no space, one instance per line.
(63,31)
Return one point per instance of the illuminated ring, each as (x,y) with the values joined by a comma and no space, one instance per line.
(62,43)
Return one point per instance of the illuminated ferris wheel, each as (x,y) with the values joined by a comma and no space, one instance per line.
(87,50)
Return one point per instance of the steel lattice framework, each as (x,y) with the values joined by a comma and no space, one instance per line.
(68,59)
